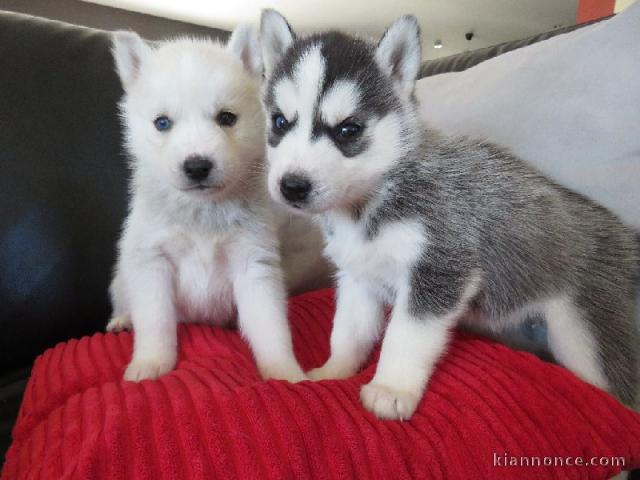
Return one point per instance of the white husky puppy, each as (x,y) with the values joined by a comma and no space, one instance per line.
(201,242)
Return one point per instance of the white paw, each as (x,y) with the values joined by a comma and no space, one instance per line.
(119,323)
(149,368)
(331,370)
(388,403)
(291,373)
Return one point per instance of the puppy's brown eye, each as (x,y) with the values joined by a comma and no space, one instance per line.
(226,119)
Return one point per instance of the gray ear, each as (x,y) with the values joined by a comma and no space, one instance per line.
(399,53)
(129,51)
(275,37)
(244,45)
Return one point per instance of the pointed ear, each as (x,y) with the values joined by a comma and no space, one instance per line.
(243,44)
(275,37)
(399,53)
(129,51)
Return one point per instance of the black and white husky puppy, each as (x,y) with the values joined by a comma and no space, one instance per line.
(434,226)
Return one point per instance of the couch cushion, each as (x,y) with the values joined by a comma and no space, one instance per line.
(464,60)
(63,187)
(568,105)
(12,385)
(214,418)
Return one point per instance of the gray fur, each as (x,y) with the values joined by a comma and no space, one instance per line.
(487,211)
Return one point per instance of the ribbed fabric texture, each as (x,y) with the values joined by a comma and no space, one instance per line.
(214,418)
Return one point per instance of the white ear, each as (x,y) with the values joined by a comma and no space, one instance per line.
(129,51)
(399,53)
(244,45)
(275,37)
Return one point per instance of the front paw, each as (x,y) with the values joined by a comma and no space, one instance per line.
(388,403)
(149,368)
(119,323)
(291,373)
(332,370)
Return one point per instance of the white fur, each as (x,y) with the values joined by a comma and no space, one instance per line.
(569,338)
(244,45)
(340,102)
(308,78)
(356,327)
(399,54)
(286,92)
(276,37)
(571,342)
(410,350)
(370,272)
(384,260)
(200,255)
(129,51)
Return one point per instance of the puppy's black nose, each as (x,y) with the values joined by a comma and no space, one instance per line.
(295,188)
(197,167)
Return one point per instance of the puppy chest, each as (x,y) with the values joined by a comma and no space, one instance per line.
(384,259)
(203,280)
(367,259)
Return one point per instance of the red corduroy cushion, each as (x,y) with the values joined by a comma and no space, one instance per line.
(214,418)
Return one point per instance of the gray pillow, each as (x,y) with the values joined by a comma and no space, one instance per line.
(569,105)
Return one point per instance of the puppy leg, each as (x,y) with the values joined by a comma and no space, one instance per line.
(410,350)
(415,340)
(356,328)
(119,323)
(262,317)
(598,345)
(571,341)
(120,318)
(154,320)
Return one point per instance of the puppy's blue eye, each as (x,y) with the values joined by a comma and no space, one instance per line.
(280,122)
(348,130)
(162,123)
